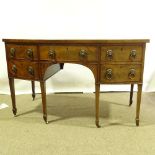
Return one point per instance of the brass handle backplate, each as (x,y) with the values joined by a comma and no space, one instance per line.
(109,54)
(108,74)
(51,54)
(132,74)
(30,53)
(133,54)
(30,70)
(14,69)
(12,52)
(83,53)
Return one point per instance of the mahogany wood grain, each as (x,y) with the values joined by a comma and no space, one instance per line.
(76,41)
(120,73)
(37,60)
(21,52)
(23,69)
(122,53)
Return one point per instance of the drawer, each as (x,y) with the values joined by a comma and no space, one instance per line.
(120,73)
(28,52)
(121,53)
(83,53)
(22,69)
(54,53)
(68,53)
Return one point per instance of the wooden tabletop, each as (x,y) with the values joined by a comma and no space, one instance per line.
(76,41)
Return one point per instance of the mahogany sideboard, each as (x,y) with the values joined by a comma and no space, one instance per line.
(111,62)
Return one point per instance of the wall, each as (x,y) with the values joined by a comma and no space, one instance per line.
(77,19)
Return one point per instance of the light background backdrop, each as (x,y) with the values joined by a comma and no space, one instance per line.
(77,19)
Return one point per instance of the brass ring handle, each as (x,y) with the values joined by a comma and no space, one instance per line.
(30,53)
(14,69)
(133,54)
(109,54)
(108,74)
(83,53)
(51,54)
(30,70)
(132,74)
(12,52)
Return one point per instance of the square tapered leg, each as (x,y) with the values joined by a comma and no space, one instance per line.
(139,93)
(97,93)
(43,94)
(13,98)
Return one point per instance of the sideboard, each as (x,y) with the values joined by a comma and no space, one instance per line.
(111,62)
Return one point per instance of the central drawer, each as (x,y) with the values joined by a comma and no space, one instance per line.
(68,53)
(121,53)
(120,73)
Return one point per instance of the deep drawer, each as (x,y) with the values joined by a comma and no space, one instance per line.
(22,69)
(120,73)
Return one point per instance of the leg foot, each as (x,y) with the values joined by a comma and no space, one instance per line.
(33,97)
(45,119)
(97,124)
(61,65)
(131,101)
(137,122)
(14,110)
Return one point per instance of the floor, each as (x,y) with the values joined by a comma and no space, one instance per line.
(71,129)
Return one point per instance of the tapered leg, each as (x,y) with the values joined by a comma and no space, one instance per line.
(12,90)
(131,95)
(33,89)
(139,93)
(43,94)
(97,93)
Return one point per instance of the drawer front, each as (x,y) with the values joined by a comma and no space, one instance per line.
(68,53)
(121,53)
(83,53)
(53,53)
(21,52)
(120,73)
(22,69)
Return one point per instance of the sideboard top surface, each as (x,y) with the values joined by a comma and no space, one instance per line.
(74,41)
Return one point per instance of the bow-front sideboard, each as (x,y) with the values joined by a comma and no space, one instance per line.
(111,62)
